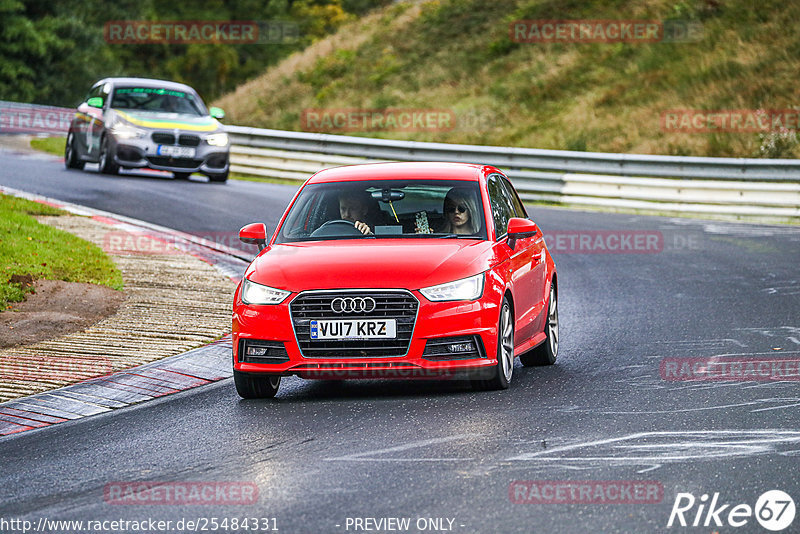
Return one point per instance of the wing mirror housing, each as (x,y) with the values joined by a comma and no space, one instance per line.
(217,113)
(95,102)
(254,234)
(519,228)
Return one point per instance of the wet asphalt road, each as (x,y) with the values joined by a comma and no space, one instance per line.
(325,453)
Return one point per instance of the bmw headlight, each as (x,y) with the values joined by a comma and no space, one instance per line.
(217,139)
(465,289)
(253,293)
(123,130)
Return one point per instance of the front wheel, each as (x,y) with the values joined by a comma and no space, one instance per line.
(107,165)
(254,386)
(502,372)
(546,352)
(71,159)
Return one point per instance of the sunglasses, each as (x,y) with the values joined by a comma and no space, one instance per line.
(451,209)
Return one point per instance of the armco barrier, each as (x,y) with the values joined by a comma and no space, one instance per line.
(741,187)
(732,187)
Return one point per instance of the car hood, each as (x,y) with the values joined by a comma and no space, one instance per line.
(169,121)
(368,263)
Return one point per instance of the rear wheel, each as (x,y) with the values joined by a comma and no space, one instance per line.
(71,159)
(107,165)
(181,175)
(253,386)
(546,352)
(504,369)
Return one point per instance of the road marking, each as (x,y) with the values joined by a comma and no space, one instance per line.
(362,456)
(660,447)
(794,400)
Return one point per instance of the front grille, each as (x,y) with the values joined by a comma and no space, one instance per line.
(163,138)
(441,349)
(398,305)
(188,140)
(181,163)
(268,351)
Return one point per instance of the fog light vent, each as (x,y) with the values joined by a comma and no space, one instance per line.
(259,351)
(454,348)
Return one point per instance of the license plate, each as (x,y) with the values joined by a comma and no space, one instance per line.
(354,329)
(176,151)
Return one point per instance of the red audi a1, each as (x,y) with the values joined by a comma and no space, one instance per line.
(396,270)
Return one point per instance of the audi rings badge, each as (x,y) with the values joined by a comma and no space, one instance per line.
(353,305)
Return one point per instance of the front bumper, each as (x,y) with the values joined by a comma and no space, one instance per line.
(437,328)
(143,153)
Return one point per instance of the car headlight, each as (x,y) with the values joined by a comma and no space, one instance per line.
(465,289)
(123,130)
(217,139)
(253,293)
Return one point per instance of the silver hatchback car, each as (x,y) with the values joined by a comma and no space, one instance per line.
(133,123)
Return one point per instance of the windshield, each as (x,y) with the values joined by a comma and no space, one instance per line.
(158,100)
(386,209)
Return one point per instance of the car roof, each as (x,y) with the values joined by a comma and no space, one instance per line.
(403,171)
(147,82)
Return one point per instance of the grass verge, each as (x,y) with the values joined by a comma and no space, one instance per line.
(458,55)
(51,145)
(30,250)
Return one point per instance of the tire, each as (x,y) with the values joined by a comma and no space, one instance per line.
(503,371)
(71,159)
(181,175)
(218,178)
(251,386)
(547,351)
(107,165)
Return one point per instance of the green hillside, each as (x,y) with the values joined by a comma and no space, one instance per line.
(457,55)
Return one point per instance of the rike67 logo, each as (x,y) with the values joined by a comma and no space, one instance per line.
(774,510)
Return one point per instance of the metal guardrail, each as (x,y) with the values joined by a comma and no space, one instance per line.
(742,187)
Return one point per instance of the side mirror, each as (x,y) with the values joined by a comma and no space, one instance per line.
(217,113)
(95,102)
(254,234)
(519,228)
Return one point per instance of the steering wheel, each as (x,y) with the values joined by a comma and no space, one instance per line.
(336,227)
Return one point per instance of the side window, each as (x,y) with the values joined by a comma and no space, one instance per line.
(511,193)
(502,209)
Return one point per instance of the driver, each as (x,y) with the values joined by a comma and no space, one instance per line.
(354,206)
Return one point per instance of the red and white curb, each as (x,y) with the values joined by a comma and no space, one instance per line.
(192,369)
(197,367)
